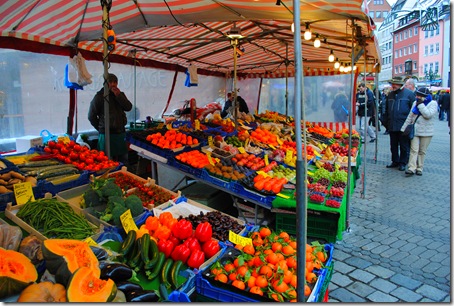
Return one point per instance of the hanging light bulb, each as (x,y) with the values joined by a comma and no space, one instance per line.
(293,27)
(308,33)
(337,64)
(331,56)
(349,68)
(354,68)
(342,68)
(317,42)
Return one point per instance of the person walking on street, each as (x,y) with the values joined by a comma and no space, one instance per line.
(362,95)
(445,105)
(118,105)
(398,106)
(424,111)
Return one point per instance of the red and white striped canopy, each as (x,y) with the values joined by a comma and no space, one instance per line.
(171,33)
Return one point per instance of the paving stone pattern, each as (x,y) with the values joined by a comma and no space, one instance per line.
(397,247)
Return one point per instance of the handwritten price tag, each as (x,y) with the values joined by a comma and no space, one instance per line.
(197,124)
(90,241)
(241,150)
(160,125)
(210,159)
(237,239)
(210,141)
(128,222)
(23,192)
(267,162)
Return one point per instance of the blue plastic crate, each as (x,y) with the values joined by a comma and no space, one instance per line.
(179,297)
(248,194)
(203,287)
(54,189)
(198,172)
(215,181)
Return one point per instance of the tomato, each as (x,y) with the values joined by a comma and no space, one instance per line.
(60,157)
(74,156)
(81,166)
(51,144)
(89,161)
(47,150)
(77,148)
(82,157)
(67,160)
(64,151)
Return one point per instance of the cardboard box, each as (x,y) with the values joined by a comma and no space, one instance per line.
(23,144)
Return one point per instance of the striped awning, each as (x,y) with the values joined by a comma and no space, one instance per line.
(174,33)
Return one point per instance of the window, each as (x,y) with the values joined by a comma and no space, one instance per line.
(426,34)
(415,48)
(397,38)
(400,36)
(426,50)
(432,33)
(431,49)
(385,14)
(410,33)
(425,68)
(400,68)
(416,30)
(395,54)
(415,66)
(437,48)
(405,51)
(409,50)
(389,45)
(436,67)
(431,66)
(396,70)
(437,31)
(405,35)
(372,14)
(400,52)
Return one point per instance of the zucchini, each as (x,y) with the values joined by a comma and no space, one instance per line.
(60,179)
(174,272)
(153,255)
(165,272)
(145,248)
(135,262)
(152,274)
(128,244)
(56,172)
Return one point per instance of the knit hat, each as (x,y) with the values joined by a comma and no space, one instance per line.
(422,92)
(112,78)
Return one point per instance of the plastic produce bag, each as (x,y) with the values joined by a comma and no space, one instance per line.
(10,237)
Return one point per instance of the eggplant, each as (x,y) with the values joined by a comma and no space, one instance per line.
(127,287)
(116,271)
(142,296)
(100,253)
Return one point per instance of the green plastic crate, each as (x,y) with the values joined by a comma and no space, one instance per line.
(320,224)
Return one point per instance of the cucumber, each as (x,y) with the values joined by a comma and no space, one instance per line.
(153,255)
(60,179)
(152,274)
(41,163)
(128,243)
(57,172)
(165,277)
(174,272)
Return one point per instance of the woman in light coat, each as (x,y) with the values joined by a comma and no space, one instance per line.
(427,109)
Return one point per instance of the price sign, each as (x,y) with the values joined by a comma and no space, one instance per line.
(272,147)
(267,162)
(237,239)
(283,196)
(23,192)
(197,124)
(160,125)
(210,141)
(241,150)
(210,159)
(279,140)
(128,222)
(90,241)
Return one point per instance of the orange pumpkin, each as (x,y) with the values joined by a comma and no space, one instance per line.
(44,292)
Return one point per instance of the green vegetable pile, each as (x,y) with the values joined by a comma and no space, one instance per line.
(321,173)
(55,219)
(104,192)
(339,176)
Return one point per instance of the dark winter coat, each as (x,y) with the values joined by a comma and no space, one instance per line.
(398,105)
(118,105)
(361,99)
(445,101)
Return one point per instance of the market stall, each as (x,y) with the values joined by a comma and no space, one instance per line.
(266,31)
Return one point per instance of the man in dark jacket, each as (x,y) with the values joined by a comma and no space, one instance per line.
(364,94)
(118,105)
(445,104)
(397,107)
(229,103)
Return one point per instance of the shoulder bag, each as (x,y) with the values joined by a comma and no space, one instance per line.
(410,129)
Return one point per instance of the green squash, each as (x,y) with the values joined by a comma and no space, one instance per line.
(64,256)
(86,287)
(16,272)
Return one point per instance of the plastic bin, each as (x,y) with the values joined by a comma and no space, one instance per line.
(323,294)
(248,194)
(320,224)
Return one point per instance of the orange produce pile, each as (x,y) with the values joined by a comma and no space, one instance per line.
(268,267)
(264,136)
(194,158)
(321,130)
(172,139)
(270,184)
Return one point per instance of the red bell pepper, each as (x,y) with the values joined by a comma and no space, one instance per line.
(203,231)
(174,239)
(210,248)
(166,246)
(182,229)
(181,252)
(196,259)
(193,244)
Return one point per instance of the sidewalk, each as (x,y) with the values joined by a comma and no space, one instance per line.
(398,246)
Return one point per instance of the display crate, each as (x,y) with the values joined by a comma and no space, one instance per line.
(320,224)
(249,194)
(46,186)
(185,167)
(328,273)
(212,179)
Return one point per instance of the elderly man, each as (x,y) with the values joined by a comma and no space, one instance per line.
(410,84)
(398,105)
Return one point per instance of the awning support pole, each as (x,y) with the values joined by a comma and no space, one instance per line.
(106,4)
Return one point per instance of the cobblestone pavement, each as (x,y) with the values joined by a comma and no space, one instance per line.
(397,248)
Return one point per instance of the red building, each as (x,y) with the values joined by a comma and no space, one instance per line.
(406,48)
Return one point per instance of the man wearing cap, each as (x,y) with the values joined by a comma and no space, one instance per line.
(398,106)
(424,111)
(229,103)
(118,105)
